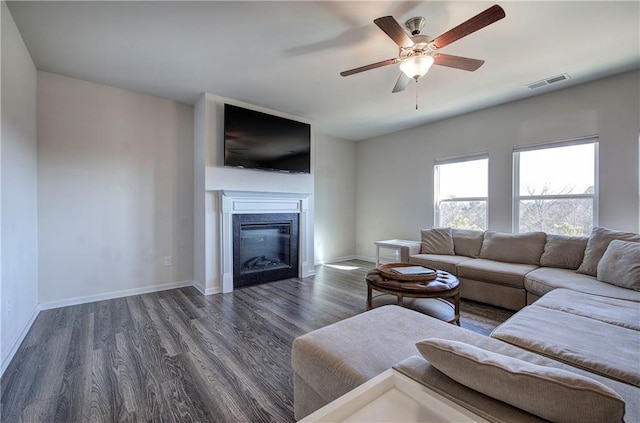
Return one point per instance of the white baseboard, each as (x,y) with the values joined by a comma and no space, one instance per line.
(115,294)
(18,341)
(197,285)
(336,259)
(365,258)
(347,258)
(208,291)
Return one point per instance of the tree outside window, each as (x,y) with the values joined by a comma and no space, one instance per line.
(556,188)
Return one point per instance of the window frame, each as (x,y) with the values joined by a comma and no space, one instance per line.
(517,198)
(436,185)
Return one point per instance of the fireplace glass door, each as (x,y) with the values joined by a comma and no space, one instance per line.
(265,248)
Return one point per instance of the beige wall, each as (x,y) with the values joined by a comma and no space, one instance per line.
(18,189)
(335,195)
(395,172)
(115,190)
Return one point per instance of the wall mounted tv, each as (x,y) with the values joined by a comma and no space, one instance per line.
(256,140)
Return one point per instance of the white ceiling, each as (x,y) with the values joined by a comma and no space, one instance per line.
(287,55)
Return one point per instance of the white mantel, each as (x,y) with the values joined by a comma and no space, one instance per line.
(253,202)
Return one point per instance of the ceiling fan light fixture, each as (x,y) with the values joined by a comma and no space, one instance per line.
(417,66)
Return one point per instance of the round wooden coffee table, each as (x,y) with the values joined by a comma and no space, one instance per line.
(442,291)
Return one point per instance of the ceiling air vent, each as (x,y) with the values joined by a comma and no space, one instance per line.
(548,81)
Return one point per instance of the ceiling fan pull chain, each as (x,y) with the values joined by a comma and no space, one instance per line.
(416,93)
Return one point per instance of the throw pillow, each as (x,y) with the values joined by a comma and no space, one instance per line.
(620,264)
(467,242)
(523,248)
(596,246)
(553,394)
(437,241)
(563,251)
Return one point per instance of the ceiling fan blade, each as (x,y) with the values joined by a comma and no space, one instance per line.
(458,62)
(392,28)
(401,84)
(369,67)
(489,16)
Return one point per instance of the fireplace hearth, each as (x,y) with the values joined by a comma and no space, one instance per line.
(265,248)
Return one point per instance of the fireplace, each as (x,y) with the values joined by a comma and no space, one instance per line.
(265,248)
(241,203)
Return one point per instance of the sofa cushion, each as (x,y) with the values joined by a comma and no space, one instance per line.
(610,310)
(488,408)
(467,242)
(523,248)
(596,246)
(620,264)
(436,241)
(591,344)
(510,274)
(442,262)
(563,251)
(546,279)
(553,394)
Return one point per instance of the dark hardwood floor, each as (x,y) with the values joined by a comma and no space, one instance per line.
(177,356)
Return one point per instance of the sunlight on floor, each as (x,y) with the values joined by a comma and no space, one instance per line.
(342,267)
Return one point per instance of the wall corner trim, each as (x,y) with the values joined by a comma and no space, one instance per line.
(18,340)
(207,291)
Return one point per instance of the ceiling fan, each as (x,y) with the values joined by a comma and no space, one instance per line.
(419,52)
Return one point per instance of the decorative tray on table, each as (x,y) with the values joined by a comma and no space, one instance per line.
(407,272)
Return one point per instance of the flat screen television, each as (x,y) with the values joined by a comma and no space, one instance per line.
(256,140)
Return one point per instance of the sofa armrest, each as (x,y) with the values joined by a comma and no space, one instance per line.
(407,251)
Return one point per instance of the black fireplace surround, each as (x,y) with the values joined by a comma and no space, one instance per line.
(265,248)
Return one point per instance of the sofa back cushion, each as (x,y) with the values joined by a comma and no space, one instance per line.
(620,264)
(563,251)
(467,242)
(523,248)
(554,394)
(436,241)
(596,246)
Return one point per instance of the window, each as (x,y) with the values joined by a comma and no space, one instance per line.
(555,187)
(461,187)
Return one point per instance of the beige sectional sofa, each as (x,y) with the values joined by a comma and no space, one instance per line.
(572,355)
(513,270)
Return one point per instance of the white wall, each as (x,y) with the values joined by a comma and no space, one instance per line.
(115,191)
(200,136)
(335,198)
(209,113)
(395,172)
(18,182)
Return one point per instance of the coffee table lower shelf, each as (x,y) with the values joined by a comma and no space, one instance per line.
(392,397)
(437,296)
(438,308)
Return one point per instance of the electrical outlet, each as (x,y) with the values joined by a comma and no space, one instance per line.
(167,261)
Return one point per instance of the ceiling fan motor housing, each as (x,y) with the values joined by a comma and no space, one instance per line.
(421,45)
(415,25)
